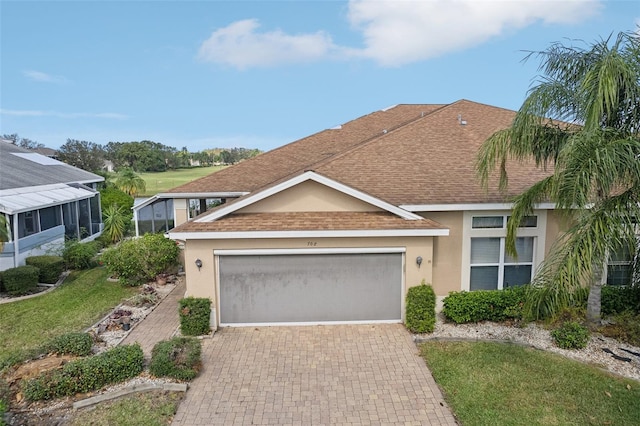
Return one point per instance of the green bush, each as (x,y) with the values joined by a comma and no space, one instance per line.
(140,260)
(5,397)
(20,280)
(78,255)
(618,299)
(2,289)
(78,344)
(421,309)
(51,267)
(195,314)
(178,358)
(484,305)
(571,335)
(88,374)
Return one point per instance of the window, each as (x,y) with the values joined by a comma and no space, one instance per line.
(487,265)
(28,223)
(492,268)
(620,267)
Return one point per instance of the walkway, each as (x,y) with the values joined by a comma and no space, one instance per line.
(160,324)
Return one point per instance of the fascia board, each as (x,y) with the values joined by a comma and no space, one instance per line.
(308,234)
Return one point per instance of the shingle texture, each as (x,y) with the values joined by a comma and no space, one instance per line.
(18,172)
(408,154)
(307,221)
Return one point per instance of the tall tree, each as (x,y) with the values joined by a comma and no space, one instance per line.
(23,142)
(82,154)
(128,181)
(583,118)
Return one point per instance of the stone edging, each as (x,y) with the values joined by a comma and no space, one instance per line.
(145,387)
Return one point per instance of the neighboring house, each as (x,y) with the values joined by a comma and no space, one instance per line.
(45,202)
(47,152)
(335,227)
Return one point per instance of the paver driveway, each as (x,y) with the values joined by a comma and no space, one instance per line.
(342,374)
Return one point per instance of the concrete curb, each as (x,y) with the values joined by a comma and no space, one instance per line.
(145,387)
(52,287)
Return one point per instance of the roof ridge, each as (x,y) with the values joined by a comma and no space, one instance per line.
(373,138)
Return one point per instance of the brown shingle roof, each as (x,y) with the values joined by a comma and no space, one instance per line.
(308,221)
(297,156)
(408,154)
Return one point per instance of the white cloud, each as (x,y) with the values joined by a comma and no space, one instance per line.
(242,46)
(43,77)
(38,113)
(397,33)
(393,32)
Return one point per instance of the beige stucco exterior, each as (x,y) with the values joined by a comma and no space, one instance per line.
(180,211)
(443,257)
(309,196)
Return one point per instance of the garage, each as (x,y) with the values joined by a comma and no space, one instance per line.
(310,286)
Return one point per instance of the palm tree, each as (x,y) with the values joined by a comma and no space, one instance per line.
(128,181)
(592,149)
(115,222)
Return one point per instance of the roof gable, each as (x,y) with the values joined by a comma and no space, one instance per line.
(258,196)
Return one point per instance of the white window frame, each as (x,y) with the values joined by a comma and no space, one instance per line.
(538,233)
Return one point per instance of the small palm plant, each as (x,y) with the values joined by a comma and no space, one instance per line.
(115,222)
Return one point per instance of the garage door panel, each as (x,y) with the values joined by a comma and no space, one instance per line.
(310,288)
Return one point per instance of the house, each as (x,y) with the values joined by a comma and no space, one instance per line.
(45,201)
(335,227)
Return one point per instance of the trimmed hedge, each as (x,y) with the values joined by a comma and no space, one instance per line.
(88,374)
(1,283)
(20,280)
(195,314)
(619,299)
(51,267)
(178,358)
(484,305)
(78,344)
(421,309)
(79,256)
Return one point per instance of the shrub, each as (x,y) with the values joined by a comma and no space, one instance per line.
(5,397)
(618,299)
(78,255)
(88,374)
(571,335)
(195,314)
(51,267)
(1,283)
(421,309)
(140,260)
(178,358)
(78,344)
(20,280)
(624,327)
(484,305)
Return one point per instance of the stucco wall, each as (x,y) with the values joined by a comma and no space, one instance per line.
(309,197)
(447,253)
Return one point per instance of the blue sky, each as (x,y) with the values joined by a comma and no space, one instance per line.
(259,74)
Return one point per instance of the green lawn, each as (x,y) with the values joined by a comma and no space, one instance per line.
(501,384)
(83,299)
(163,181)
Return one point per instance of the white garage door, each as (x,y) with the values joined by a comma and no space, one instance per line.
(302,288)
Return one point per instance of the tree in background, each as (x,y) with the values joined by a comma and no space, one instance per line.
(129,182)
(594,146)
(22,142)
(84,155)
(144,156)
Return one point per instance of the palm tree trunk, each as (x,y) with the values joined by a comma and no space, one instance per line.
(595,297)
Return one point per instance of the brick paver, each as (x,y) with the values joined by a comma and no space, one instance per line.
(160,324)
(315,375)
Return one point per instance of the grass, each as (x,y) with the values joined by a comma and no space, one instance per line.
(501,384)
(163,181)
(83,299)
(146,409)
